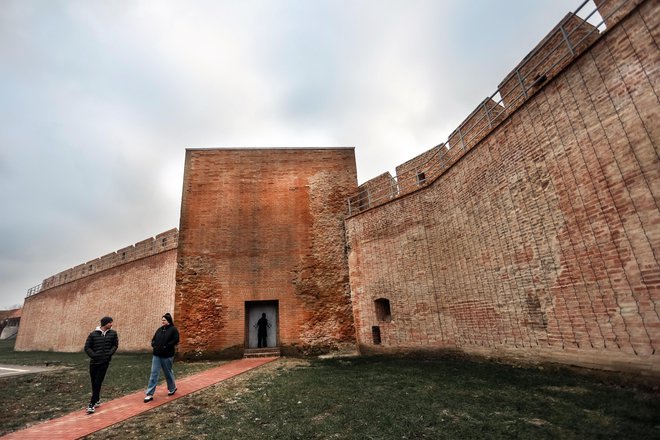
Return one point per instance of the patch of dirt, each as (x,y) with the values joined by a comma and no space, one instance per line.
(567,389)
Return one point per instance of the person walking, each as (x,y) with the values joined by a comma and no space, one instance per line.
(100,345)
(262,331)
(163,343)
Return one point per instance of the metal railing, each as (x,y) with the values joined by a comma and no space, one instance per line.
(470,132)
(34,290)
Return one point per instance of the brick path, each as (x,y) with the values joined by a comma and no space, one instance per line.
(79,424)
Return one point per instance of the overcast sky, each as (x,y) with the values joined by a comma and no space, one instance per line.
(100,98)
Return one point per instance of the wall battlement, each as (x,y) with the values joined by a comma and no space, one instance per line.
(541,244)
(164,241)
(564,43)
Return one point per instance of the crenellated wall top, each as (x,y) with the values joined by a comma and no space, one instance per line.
(566,41)
(163,242)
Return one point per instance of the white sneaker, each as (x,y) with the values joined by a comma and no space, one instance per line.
(148,399)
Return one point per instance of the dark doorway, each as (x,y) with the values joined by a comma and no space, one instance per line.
(375,333)
(254,310)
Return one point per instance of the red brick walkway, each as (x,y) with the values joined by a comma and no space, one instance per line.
(79,424)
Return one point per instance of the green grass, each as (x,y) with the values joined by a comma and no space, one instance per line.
(372,398)
(36,397)
(357,398)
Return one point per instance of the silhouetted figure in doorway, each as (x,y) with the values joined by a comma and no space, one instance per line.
(262,326)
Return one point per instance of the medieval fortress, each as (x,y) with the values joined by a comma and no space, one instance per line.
(532,234)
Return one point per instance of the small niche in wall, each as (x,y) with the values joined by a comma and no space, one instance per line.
(375,334)
(383,312)
(421,178)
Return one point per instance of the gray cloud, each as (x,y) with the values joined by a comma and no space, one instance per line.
(98,101)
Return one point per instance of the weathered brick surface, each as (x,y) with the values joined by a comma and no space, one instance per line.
(612,11)
(477,125)
(377,190)
(570,37)
(542,241)
(419,170)
(135,294)
(264,224)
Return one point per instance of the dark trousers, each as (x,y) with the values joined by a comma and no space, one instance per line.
(261,339)
(97,374)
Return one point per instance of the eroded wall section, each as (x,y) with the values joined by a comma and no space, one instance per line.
(264,226)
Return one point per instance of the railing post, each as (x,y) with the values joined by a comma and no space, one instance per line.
(522,83)
(568,43)
(460,135)
(490,122)
(34,290)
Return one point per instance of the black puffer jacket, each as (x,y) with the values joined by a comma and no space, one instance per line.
(164,341)
(100,348)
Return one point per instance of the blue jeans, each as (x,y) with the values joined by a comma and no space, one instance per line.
(156,364)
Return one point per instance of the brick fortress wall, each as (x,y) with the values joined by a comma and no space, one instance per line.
(134,285)
(541,241)
(264,225)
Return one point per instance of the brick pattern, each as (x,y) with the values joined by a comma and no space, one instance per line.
(374,191)
(417,171)
(544,62)
(476,126)
(542,241)
(135,294)
(264,225)
(570,37)
(612,11)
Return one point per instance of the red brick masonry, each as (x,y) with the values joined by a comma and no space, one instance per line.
(542,241)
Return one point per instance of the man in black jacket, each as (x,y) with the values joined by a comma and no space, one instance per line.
(163,343)
(101,344)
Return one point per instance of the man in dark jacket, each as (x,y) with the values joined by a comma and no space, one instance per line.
(101,344)
(163,343)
